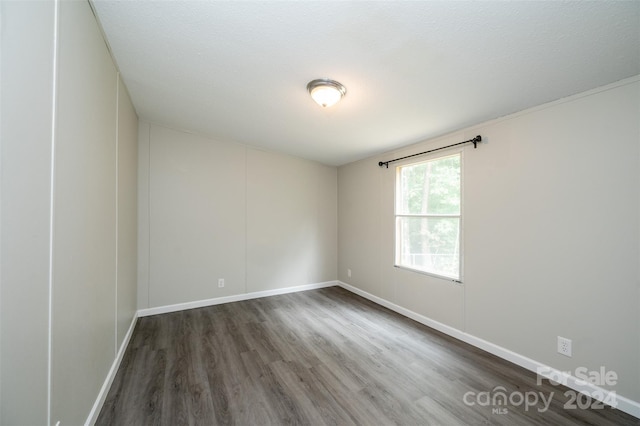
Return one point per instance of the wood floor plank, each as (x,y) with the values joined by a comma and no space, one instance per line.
(320,357)
(330,410)
(352,402)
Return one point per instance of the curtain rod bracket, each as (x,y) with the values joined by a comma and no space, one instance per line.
(474,141)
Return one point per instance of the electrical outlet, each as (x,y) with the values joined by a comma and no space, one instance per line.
(220,282)
(349,273)
(564,346)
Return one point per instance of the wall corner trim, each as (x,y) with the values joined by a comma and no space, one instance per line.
(624,404)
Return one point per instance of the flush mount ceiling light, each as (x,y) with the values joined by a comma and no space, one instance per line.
(326,92)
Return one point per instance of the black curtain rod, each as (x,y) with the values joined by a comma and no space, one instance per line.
(474,141)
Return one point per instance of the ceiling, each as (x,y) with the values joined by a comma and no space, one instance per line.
(413,70)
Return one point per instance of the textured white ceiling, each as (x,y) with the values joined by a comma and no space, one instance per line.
(413,70)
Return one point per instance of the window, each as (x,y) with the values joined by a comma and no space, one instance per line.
(428,219)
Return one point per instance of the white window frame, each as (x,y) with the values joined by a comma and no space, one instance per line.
(398,189)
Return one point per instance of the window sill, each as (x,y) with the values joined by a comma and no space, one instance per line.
(430,274)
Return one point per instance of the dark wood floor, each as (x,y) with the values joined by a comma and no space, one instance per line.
(319,357)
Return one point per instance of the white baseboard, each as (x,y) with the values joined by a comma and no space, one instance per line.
(627,405)
(235,298)
(102,395)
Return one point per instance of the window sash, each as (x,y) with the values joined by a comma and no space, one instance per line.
(439,250)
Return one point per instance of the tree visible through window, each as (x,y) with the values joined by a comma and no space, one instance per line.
(428,216)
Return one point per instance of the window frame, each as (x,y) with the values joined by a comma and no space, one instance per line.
(396,215)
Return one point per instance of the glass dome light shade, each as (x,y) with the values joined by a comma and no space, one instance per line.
(326,92)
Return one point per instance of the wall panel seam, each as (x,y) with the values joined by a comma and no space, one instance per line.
(148,215)
(54,94)
(117,195)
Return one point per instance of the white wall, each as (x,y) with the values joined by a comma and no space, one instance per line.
(291,221)
(84,217)
(86,302)
(551,234)
(211,209)
(25,183)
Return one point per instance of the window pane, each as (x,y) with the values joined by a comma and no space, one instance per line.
(432,187)
(429,244)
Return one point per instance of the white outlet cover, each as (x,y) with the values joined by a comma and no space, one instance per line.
(564,346)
